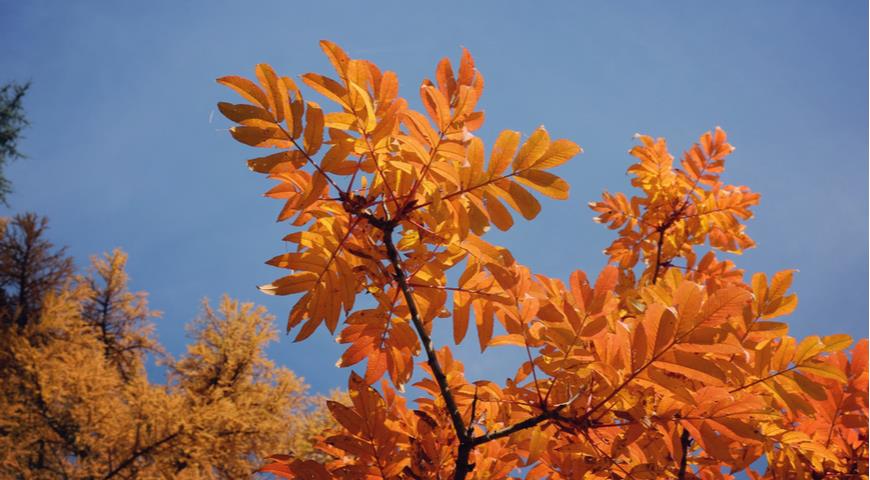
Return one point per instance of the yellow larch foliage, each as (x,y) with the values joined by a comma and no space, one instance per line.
(77,403)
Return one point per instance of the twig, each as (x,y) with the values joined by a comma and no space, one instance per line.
(685,441)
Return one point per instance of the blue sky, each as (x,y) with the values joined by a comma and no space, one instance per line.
(127,150)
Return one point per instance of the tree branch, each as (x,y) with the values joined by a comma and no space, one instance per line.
(510,430)
(685,441)
(132,458)
(465,444)
(659,253)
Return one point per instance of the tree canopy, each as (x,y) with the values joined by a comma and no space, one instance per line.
(77,402)
(12,122)
(671,364)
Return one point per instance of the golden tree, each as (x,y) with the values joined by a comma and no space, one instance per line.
(77,402)
(669,365)
(30,268)
(236,403)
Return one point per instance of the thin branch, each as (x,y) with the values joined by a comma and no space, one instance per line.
(760,380)
(468,189)
(534,375)
(132,458)
(462,467)
(383,177)
(605,455)
(567,353)
(685,441)
(454,289)
(334,254)
(310,160)
(432,153)
(470,430)
(659,253)
(510,430)
(834,419)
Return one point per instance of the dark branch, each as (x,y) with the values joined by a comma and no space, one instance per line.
(510,430)
(659,253)
(685,441)
(465,445)
(132,458)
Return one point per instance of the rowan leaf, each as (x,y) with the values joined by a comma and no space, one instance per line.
(247,89)
(532,150)
(544,182)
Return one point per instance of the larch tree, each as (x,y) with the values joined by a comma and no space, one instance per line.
(30,268)
(671,364)
(120,317)
(76,399)
(237,404)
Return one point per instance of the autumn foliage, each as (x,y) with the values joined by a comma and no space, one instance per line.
(670,364)
(76,401)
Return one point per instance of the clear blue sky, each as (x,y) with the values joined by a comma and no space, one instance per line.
(124,151)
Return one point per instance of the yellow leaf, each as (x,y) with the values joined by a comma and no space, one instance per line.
(327,87)
(313,138)
(518,198)
(808,348)
(345,416)
(759,287)
(503,152)
(461,311)
(366,108)
(266,164)
(559,152)
(337,57)
(780,283)
(537,443)
(835,343)
(688,299)
(783,306)
(241,113)
(474,154)
(279,101)
(509,339)
(532,150)
(304,261)
(666,328)
(770,329)
(693,367)
(498,214)
(340,120)
(713,443)
(824,370)
(723,304)
(811,388)
(436,105)
(545,182)
(246,88)
(296,283)
(419,128)
(261,137)
(483,316)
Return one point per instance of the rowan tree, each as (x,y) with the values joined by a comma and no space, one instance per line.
(669,365)
(76,399)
